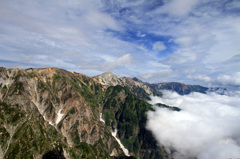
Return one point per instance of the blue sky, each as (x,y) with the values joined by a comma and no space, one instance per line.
(190,41)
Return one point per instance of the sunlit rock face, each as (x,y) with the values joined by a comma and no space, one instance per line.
(136,86)
(64,100)
(109,78)
(66,113)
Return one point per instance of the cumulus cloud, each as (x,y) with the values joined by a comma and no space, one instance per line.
(232,80)
(185,41)
(139,34)
(226,80)
(202,78)
(158,74)
(178,7)
(159,46)
(207,126)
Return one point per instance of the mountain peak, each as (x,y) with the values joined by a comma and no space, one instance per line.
(108,78)
(107,74)
(135,85)
(136,79)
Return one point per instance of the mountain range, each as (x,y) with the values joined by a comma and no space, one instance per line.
(54,113)
(143,89)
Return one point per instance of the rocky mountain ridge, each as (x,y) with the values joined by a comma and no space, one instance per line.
(53,95)
(136,86)
(59,112)
(180,88)
(143,89)
(184,89)
(47,112)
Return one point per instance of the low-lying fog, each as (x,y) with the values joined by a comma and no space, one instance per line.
(207,127)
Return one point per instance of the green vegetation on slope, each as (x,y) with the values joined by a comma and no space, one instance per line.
(25,134)
(129,114)
(168,107)
(31,137)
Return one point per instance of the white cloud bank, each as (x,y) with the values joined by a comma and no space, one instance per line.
(207,126)
(222,80)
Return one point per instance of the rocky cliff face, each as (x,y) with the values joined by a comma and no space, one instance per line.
(136,86)
(108,78)
(53,111)
(66,101)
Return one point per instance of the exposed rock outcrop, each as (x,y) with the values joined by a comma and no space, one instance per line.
(136,86)
(55,112)
(65,100)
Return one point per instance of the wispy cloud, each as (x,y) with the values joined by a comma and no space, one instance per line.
(157,74)
(180,34)
(177,8)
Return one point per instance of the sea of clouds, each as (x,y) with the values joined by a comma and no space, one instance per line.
(207,127)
